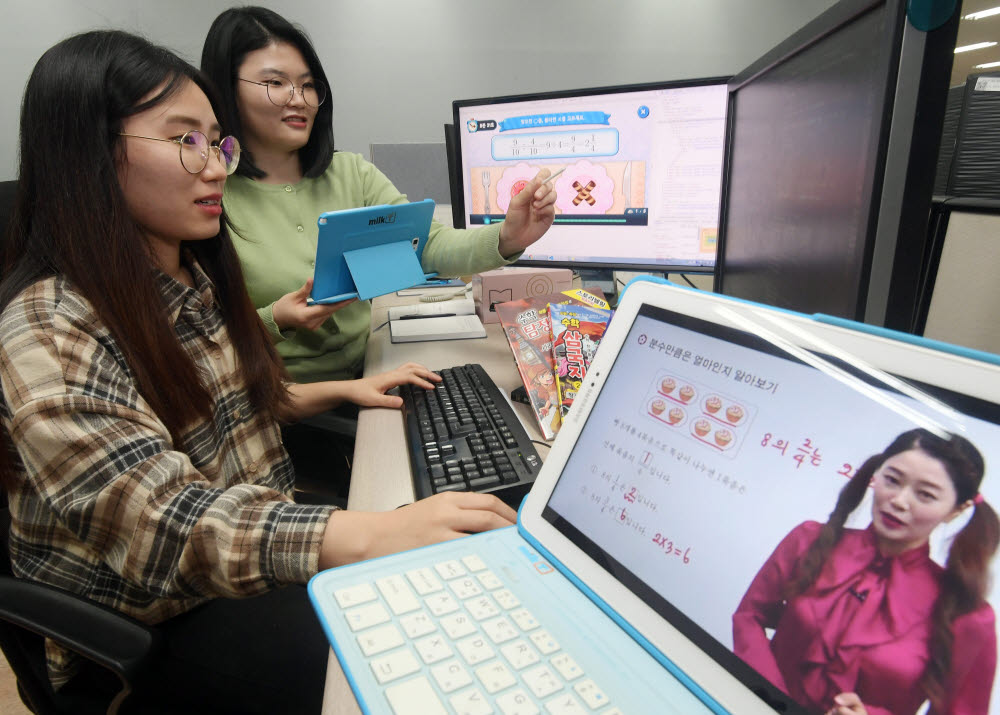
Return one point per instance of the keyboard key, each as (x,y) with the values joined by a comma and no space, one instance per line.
(489,580)
(475,650)
(457,625)
(495,677)
(520,654)
(470,702)
(544,641)
(516,702)
(417,624)
(379,640)
(465,587)
(566,666)
(482,607)
(541,681)
(366,616)
(441,604)
(483,482)
(355,595)
(565,704)
(397,594)
(499,630)
(451,676)
(395,665)
(424,581)
(414,697)
(524,619)
(449,569)
(506,599)
(433,648)
(591,694)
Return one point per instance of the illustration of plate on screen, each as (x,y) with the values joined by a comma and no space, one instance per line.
(512,182)
(585,188)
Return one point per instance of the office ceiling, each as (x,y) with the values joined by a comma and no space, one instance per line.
(971,32)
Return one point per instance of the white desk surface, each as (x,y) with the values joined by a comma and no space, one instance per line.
(380,479)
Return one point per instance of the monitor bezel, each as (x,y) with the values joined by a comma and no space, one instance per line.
(457,180)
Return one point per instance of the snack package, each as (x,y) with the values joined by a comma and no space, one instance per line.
(525,322)
(576,334)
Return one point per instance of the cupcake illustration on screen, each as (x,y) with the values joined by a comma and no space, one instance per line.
(702,427)
(713,404)
(734,413)
(686,393)
(667,385)
(723,438)
(675,415)
(657,407)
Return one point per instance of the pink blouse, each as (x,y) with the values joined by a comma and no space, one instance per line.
(863,627)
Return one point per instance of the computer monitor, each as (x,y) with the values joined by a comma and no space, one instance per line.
(830,160)
(642,168)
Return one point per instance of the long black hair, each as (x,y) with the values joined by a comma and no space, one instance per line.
(242,30)
(966,576)
(70,219)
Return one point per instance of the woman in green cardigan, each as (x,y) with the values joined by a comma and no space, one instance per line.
(275,100)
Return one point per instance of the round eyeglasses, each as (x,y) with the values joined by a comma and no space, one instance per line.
(280,91)
(195,149)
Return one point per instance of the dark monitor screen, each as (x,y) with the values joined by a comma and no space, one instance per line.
(642,168)
(804,159)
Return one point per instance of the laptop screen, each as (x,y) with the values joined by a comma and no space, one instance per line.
(701,479)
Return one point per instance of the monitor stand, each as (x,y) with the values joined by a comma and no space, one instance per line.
(610,281)
(603,278)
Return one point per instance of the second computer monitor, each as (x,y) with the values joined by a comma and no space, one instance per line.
(831,154)
(641,171)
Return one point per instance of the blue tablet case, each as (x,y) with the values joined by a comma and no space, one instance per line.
(370,251)
(902,337)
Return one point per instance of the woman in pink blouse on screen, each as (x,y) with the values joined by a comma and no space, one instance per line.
(864,621)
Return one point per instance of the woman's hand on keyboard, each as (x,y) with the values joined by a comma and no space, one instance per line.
(370,391)
(355,536)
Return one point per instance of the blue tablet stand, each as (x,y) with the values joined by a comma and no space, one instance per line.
(370,251)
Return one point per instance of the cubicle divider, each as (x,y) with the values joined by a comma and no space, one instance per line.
(961,293)
(419,170)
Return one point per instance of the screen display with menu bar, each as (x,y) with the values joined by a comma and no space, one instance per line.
(641,170)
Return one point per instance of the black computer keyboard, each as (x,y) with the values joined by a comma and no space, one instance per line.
(464,436)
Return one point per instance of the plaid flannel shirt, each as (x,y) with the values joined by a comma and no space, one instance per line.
(104,504)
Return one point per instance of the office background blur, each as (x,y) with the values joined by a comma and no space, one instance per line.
(396,66)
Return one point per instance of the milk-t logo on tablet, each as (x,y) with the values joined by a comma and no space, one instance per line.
(387,218)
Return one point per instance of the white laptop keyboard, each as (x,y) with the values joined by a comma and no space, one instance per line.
(459,625)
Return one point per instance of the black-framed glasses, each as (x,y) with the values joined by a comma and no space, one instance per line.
(195,149)
(280,91)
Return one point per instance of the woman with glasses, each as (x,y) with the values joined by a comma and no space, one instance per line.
(140,452)
(276,100)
